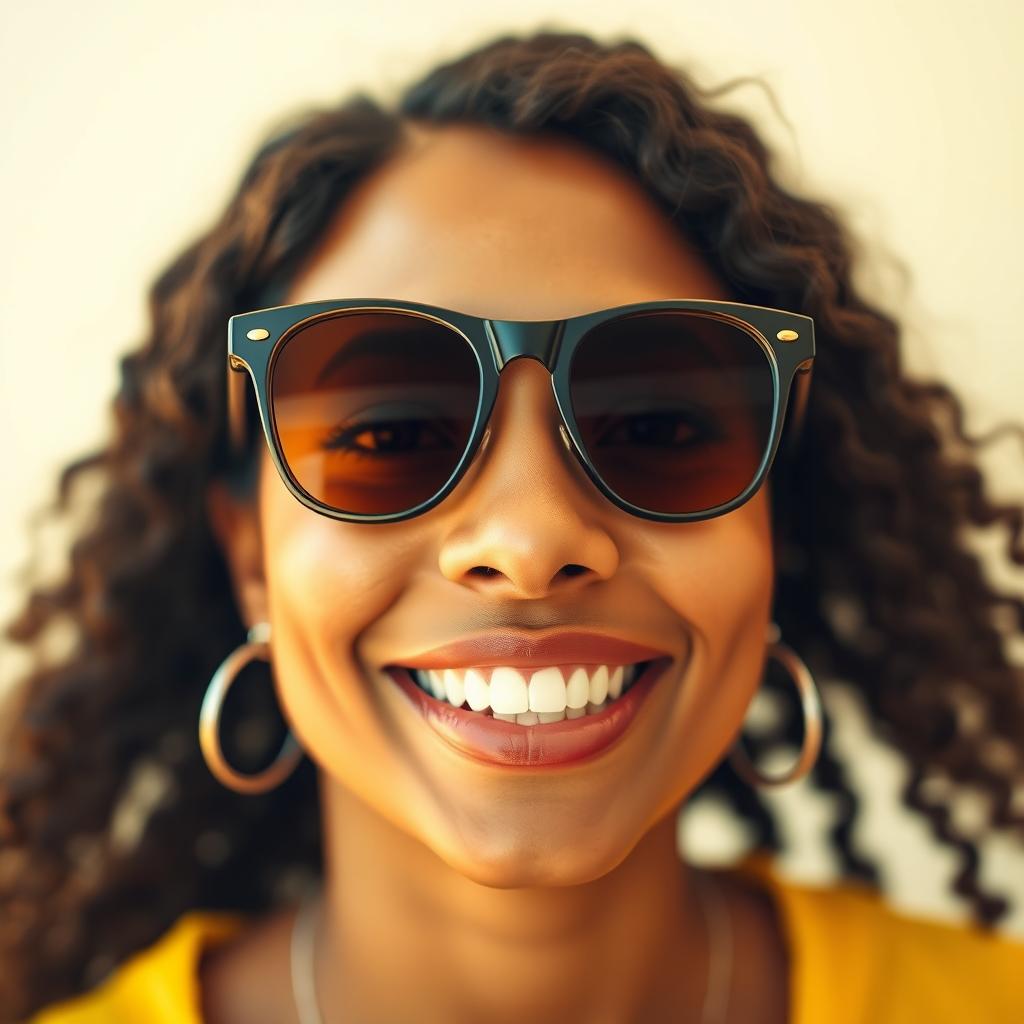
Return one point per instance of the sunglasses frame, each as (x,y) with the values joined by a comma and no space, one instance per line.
(256,338)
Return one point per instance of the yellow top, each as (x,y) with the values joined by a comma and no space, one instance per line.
(853,960)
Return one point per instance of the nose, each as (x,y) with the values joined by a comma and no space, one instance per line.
(529,523)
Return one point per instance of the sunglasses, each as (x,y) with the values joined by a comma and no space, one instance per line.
(373,409)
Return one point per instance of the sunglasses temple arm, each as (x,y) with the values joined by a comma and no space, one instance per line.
(236,384)
(797,412)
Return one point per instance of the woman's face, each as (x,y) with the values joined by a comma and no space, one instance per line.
(514,229)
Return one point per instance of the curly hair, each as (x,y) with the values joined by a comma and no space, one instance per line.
(876,585)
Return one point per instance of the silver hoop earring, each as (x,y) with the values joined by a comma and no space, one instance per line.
(810,703)
(256,646)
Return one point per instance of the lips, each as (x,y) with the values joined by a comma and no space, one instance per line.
(508,647)
(509,744)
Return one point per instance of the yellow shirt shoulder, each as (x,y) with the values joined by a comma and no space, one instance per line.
(158,985)
(853,960)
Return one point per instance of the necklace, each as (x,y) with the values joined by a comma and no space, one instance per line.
(713,909)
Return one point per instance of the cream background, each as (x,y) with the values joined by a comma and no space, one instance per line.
(126,125)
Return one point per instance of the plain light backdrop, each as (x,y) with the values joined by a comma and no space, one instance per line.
(126,124)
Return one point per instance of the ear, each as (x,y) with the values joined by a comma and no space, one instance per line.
(236,526)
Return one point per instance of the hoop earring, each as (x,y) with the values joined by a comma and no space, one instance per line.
(810,703)
(256,646)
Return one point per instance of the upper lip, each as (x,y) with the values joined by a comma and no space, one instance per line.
(526,650)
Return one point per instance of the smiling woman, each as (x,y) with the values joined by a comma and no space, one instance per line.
(514,474)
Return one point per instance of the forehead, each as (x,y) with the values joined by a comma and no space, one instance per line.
(508,227)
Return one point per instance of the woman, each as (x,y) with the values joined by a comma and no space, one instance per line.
(607,558)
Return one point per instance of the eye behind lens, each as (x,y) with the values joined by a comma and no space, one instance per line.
(674,408)
(372,410)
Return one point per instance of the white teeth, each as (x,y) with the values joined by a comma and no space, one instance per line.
(436,683)
(551,716)
(615,682)
(477,691)
(577,690)
(547,690)
(529,698)
(508,691)
(455,688)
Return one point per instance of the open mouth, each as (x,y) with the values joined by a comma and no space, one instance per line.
(538,696)
(558,723)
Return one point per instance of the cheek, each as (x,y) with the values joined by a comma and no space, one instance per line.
(327,581)
(325,577)
(721,571)
(719,579)
(324,573)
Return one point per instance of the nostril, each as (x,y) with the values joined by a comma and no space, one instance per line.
(572,569)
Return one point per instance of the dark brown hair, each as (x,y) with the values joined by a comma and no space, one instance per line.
(876,585)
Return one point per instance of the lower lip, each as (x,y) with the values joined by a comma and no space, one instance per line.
(508,744)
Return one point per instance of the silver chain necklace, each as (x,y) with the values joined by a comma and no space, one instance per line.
(716,918)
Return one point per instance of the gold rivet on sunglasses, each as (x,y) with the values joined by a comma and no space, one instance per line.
(257,334)
(787,335)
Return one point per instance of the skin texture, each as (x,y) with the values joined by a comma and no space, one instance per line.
(493,893)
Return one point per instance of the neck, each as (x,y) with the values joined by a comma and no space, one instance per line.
(400,926)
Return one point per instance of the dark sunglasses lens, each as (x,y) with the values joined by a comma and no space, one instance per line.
(674,408)
(373,411)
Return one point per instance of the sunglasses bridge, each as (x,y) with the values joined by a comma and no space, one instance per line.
(512,339)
